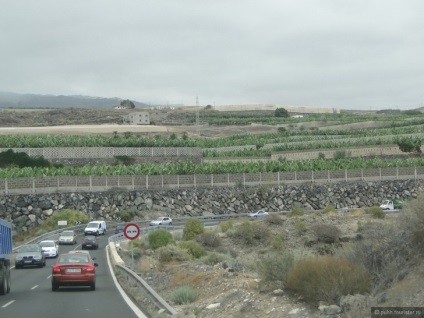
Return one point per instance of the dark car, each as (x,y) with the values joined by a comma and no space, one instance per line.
(29,255)
(77,269)
(119,229)
(90,242)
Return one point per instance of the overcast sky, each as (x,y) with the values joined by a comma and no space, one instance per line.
(360,54)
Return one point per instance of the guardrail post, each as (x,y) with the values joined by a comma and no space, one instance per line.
(106,183)
(362,174)
(312,176)
(91,184)
(132,181)
(147,182)
(212,180)
(76,183)
(178,181)
(194,177)
(278,178)
(328,175)
(380,173)
(162,181)
(397,173)
(346,175)
(295,176)
(415,172)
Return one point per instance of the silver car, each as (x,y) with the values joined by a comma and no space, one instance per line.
(163,220)
(68,237)
(50,248)
(29,255)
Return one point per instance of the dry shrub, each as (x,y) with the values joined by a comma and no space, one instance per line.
(250,233)
(208,239)
(356,212)
(327,278)
(274,267)
(274,219)
(384,251)
(226,225)
(170,253)
(326,233)
(376,212)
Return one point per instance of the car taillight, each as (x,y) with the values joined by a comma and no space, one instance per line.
(56,269)
(90,268)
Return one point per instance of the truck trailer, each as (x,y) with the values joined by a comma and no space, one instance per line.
(5,256)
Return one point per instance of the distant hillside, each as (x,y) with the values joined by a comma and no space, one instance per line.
(12,100)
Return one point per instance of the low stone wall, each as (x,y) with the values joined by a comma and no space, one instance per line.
(28,211)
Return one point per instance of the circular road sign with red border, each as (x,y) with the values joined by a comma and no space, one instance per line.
(131,231)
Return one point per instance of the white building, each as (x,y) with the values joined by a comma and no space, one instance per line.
(137,118)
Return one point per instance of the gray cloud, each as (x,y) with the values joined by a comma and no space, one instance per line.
(347,54)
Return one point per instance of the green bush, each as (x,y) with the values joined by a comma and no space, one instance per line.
(192,228)
(10,158)
(208,239)
(193,248)
(71,216)
(296,210)
(159,238)
(127,215)
(125,160)
(326,233)
(274,267)
(184,295)
(170,253)
(250,233)
(340,154)
(226,225)
(300,226)
(278,241)
(376,212)
(327,278)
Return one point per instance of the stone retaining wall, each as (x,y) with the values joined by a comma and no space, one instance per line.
(28,211)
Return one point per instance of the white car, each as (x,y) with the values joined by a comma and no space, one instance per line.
(50,248)
(258,214)
(163,220)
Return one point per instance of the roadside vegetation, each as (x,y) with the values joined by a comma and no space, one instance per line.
(321,269)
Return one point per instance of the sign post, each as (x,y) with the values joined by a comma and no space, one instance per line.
(131,232)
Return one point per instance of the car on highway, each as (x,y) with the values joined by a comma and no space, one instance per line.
(74,269)
(90,242)
(68,237)
(29,255)
(163,220)
(119,229)
(258,214)
(50,248)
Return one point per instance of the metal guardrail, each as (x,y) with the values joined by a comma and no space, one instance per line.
(150,298)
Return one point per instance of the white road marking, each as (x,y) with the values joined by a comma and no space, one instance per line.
(34,287)
(48,277)
(7,304)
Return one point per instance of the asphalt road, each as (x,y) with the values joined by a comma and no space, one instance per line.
(31,294)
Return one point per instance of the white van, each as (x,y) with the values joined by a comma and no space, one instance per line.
(95,228)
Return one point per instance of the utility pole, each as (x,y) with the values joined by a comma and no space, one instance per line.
(197,116)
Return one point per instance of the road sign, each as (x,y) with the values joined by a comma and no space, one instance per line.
(131,231)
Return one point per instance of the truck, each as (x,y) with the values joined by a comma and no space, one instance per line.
(5,256)
(391,205)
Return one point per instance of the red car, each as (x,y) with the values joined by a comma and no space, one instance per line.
(76,269)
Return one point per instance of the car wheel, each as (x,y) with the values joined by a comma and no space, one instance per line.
(3,282)
(93,286)
(55,286)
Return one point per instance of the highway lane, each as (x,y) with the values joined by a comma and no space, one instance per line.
(31,293)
